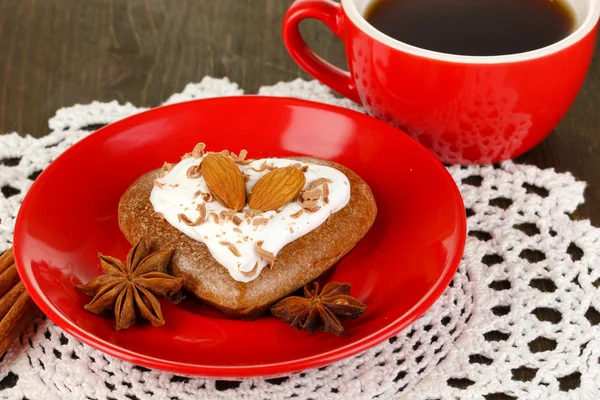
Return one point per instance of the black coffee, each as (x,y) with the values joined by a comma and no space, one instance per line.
(473,27)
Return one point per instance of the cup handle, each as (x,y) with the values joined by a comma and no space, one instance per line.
(332,15)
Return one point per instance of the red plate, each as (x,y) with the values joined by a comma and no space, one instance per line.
(401,267)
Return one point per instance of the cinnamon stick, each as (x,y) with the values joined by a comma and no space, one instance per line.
(17,309)
(6,260)
(16,320)
(10,298)
(8,279)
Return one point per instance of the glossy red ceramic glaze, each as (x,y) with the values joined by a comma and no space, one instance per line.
(468,110)
(399,269)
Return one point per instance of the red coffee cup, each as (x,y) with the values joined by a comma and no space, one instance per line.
(465,109)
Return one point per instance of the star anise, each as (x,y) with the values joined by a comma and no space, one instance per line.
(135,284)
(326,308)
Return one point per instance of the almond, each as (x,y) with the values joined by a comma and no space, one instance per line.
(276,189)
(224,180)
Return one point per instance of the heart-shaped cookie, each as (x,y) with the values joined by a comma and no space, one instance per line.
(225,255)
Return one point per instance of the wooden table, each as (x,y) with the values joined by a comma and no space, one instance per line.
(55,53)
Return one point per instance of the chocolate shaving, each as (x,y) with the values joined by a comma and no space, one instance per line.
(238,230)
(264,254)
(166,168)
(215,217)
(208,197)
(297,214)
(183,218)
(237,220)
(198,150)
(256,222)
(246,177)
(310,195)
(301,167)
(241,159)
(158,214)
(227,215)
(317,182)
(231,248)
(251,212)
(251,272)
(193,172)
(291,229)
(262,167)
(158,184)
(202,209)
(310,206)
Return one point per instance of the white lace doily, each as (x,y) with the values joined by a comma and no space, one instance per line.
(519,321)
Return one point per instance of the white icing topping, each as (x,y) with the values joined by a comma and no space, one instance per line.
(176,194)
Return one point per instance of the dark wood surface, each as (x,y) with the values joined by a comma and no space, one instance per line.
(55,53)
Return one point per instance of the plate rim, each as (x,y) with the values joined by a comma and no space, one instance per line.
(242,371)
